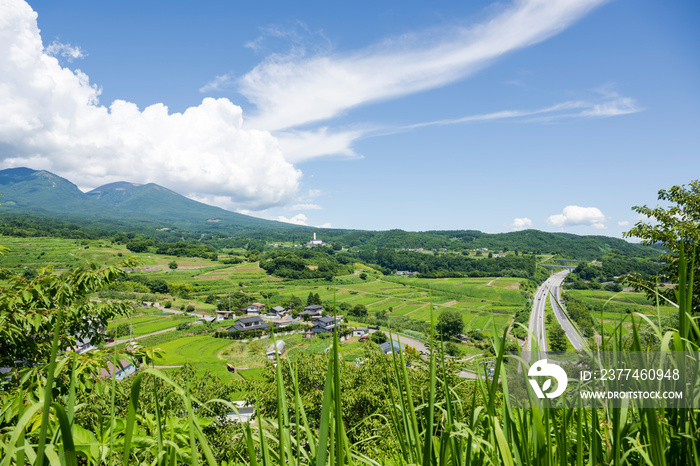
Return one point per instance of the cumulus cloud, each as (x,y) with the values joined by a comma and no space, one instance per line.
(67,51)
(521,223)
(623,223)
(298,219)
(574,215)
(51,118)
(295,89)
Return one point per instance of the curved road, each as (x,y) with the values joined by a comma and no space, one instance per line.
(536,323)
(551,288)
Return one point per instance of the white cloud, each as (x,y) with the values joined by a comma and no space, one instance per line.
(307,207)
(299,146)
(219,83)
(619,106)
(51,118)
(67,51)
(623,223)
(521,223)
(298,219)
(295,89)
(574,215)
(324,225)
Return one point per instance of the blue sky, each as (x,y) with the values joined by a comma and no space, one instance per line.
(554,115)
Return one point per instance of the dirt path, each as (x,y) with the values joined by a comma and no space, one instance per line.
(117,342)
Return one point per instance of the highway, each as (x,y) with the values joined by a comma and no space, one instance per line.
(538,335)
(576,340)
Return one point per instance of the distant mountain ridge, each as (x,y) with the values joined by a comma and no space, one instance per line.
(152,209)
(42,192)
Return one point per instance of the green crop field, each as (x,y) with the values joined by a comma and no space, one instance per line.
(201,351)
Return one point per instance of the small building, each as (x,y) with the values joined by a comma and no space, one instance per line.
(248,323)
(206,319)
(360,332)
(315,242)
(277,312)
(242,413)
(225,315)
(121,371)
(325,324)
(276,348)
(314,310)
(255,309)
(390,347)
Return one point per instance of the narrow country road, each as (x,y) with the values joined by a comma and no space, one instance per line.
(124,340)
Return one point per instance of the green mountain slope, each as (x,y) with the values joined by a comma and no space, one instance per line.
(40,192)
(38,189)
(168,206)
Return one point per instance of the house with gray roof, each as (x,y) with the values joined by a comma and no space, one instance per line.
(389,347)
(248,323)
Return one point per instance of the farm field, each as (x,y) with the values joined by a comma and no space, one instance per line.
(613,308)
(207,353)
(486,303)
(64,254)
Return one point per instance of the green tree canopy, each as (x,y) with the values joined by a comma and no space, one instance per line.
(677,227)
(450,323)
(29,309)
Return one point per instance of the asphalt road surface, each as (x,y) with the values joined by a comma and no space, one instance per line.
(576,340)
(536,343)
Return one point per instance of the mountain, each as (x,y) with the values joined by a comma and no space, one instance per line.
(38,190)
(41,192)
(158,202)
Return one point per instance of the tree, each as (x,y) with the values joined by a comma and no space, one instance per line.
(676,227)
(450,323)
(378,337)
(363,276)
(452,349)
(359,310)
(317,299)
(310,299)
(557,338)
(158,285)
(30,309)
(172,265)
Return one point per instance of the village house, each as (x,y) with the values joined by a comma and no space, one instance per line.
(121,371)
(360,332)
(390,347)
(276,312)
(248,323)
(276,348)
(312,311)
(326,324)
(255,309)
